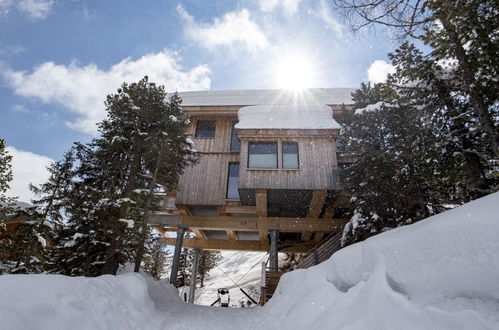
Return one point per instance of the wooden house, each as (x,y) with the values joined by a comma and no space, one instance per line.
(267,177)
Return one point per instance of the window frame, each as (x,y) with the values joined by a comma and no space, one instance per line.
(276,143)
(228,181)
(297,155)
(205,137)
(232,134)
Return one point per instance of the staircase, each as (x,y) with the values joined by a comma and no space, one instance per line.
(321,252)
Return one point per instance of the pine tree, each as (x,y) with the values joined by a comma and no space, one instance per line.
(156,258)
(114,179)
(392,179)
(207,261)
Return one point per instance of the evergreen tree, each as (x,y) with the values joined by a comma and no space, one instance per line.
(447,96)
(112,180)
(156,259)
(392,178)
(207,261)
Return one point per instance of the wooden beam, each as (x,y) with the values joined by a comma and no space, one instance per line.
(316,204)
(184,210)
(314,210)
(221,210)
(264,237)
(261,202)
(162,231)
(231,234)
(199,233)
(219,244)
(290,225)
(241,209)
(234,245)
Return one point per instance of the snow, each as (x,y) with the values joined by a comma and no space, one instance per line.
(439,273)
(242,267)
(129,223)
(328,96)
(291,116)
(41,240)
(371,107)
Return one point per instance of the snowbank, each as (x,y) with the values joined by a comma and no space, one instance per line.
(124,302)
(440,273)
(292,116)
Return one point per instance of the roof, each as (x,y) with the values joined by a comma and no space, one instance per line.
(294,116)
(324,96)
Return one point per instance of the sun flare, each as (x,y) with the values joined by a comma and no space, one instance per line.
(294,72)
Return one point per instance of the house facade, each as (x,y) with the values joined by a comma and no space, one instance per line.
(267,177)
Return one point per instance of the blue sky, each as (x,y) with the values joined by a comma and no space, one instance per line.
(60,58)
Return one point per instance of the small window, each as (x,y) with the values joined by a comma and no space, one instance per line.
(290,155)
(205,128)
(262,155)
(235,145)
(233,181)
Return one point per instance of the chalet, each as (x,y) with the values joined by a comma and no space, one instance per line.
(267,177)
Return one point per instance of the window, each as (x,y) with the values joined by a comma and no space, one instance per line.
(205,129)
(290,155)
(262,155)
(233,181)
(235,145)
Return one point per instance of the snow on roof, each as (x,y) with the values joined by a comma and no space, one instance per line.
(293,116)
(329,96)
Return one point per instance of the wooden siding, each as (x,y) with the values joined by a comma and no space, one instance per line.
(318,164)
(206,182)
(221,141)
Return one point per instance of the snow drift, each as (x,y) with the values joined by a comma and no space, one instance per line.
(441,273)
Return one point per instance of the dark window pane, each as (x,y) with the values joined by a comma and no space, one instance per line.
(205,128)
(262,155)
(290,155)
(233,181)
(235,145)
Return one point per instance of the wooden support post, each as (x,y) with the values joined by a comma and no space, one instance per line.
(273,253)
(317,203)
(176,255)
(194,275)
(261,202)
(263,285)
(314,210)
(231,234)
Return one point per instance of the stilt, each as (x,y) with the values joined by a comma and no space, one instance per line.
(176,255)
(273,258)
(194,275)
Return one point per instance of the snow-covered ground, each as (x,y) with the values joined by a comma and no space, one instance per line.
(244,268)
(441,273)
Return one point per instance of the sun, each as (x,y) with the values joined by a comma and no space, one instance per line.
(294,71)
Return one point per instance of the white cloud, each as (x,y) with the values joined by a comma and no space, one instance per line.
(325,13)
(379,70)
(289,7)
(232,27)
(35,9)
(82,89)
(27,167)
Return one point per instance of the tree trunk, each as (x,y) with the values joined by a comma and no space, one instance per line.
(480,109)
(143,234)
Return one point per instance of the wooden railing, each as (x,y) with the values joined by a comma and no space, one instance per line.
(321,252)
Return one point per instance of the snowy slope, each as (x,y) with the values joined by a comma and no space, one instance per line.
(441,273)
(244,268)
